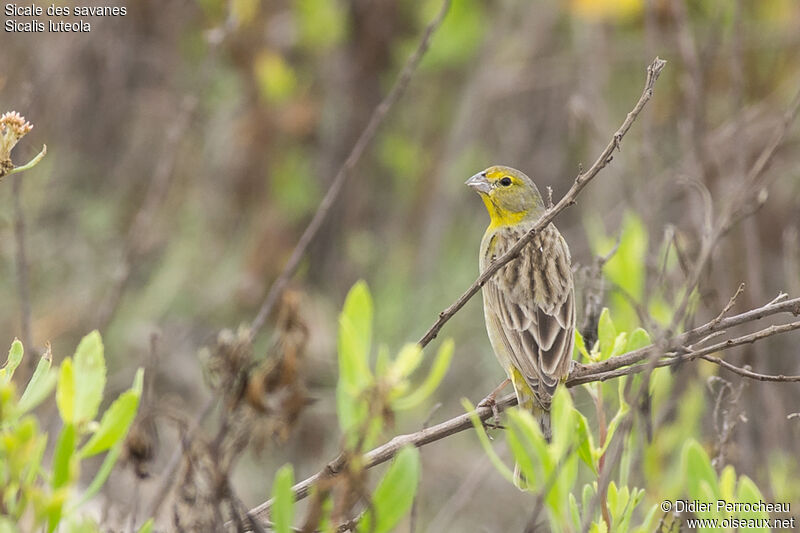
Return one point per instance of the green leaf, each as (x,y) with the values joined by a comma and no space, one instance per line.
(65,392)
(407,361)
(697,470)
(620,343)
(612,426)
(90,377)
(580,347)
(283,498)
(13,361)
(574,512)
(101,476)
(147,527)
(484,440)
(437,372)
(62,456)
(355,332)
(585,442)
(606,333)
(394,494)
(748,493)
(727,483)
(35,459)
(114,425)
(40,386)
(638,339)
(524,454)
(562,411)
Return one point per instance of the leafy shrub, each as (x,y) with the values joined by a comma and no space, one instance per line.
(33,494)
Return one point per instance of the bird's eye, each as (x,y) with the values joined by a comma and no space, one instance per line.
(505,182)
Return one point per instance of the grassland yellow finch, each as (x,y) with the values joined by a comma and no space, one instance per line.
(529,304)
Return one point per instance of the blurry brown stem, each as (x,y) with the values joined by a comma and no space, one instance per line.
(23,293)
(375,120)
(583,178)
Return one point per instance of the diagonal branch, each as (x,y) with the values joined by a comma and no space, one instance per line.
(378,115)
(583,178)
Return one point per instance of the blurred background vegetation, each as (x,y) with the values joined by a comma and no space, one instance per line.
(190,142)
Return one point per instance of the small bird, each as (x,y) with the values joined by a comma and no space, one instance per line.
(529,304)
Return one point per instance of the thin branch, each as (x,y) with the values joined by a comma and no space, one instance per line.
(377,118)
(747,373)
(583,178)
(30,164)
(788,306)
(23,293)
(688,355)
(730,304)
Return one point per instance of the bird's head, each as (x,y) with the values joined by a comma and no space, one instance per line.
(510,196)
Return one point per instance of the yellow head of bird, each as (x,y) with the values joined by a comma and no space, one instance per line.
(510,196)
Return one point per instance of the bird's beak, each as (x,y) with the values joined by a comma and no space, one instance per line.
(479,183)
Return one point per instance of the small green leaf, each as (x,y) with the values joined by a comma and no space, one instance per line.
(612,426)
(574,512)
(40,386)
(283,498)
(101,476)
(727,483)
(612,496)
(748,493)
(114,424)
(484,439)
(65,392)
(580,347)
(585,441)
(14,359)
(62,456)
(620,343)
(438,370)
(638,339)
(355,332)
(698,470)
(90,377)
(147,527)
(394,494)
(407,361)
(606,333)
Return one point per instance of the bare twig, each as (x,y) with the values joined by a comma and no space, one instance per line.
(729,304)
(23,293)
(377,118)
(747,373)
(583,178)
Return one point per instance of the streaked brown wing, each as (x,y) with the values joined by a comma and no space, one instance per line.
(533,304)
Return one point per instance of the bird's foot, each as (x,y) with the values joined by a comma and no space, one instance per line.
(491,402)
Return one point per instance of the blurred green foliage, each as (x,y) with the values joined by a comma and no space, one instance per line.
(34,495)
